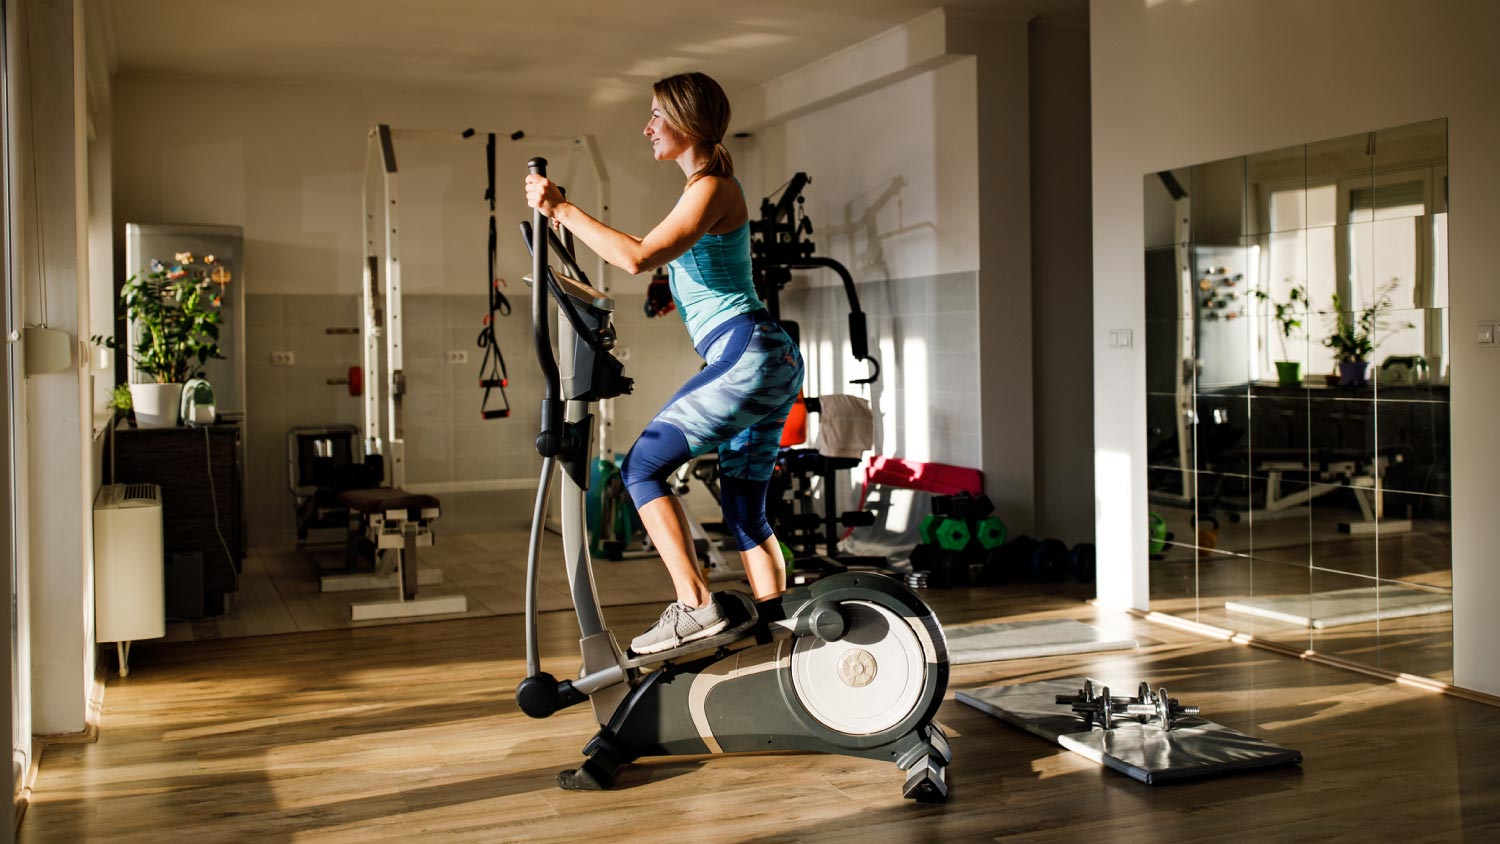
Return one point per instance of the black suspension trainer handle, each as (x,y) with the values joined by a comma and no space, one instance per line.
(549,440)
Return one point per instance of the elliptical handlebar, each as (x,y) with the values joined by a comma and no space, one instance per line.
(581,371)
(549,440)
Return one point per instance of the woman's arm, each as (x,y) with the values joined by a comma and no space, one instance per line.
(693,215)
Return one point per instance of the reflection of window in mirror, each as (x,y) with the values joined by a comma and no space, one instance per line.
(1394,230)
(1394,233)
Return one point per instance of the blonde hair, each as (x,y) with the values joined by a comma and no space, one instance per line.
(695,105)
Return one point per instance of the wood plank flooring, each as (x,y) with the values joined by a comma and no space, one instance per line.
(279,590)
(409,733)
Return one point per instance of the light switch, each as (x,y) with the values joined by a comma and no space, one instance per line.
(1119,338)
(1486,334)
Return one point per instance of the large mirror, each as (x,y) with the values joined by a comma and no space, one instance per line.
(1297,396)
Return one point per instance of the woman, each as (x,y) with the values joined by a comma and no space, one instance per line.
(740,400)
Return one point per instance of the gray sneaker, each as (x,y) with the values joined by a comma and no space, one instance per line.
(678,625)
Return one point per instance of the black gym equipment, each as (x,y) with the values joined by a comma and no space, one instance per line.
(492,372)
(322,467)
(1103,709)
(1147,741)
(777,247)
(854,664)
(811,528)
(1082,561)
(659,301)
(961,539)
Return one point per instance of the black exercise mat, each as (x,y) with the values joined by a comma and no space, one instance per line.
(1193,748)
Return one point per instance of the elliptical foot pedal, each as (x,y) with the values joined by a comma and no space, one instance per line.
(737,607)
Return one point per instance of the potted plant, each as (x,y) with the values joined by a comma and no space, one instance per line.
(176,311)
(1354,335)
(1288,317)
(119,402)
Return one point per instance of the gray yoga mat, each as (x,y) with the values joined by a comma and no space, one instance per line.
(1344,606)
(1026,639)
(1195,747)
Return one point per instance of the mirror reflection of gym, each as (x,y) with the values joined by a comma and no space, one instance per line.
(1297,397)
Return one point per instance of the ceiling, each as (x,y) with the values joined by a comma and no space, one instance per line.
(598,50)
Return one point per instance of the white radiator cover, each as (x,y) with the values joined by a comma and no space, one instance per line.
(129,586)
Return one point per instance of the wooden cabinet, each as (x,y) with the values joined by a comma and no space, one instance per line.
(200,471)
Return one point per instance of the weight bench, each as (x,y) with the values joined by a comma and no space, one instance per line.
(321,465)
(392,524)
(1327,470)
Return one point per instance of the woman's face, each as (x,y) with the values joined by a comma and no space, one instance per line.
(666,143)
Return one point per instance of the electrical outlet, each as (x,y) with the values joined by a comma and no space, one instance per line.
(458,356)
(283,358)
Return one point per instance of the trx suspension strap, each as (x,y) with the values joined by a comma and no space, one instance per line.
(492,374)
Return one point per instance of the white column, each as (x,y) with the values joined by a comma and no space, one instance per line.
(58,426)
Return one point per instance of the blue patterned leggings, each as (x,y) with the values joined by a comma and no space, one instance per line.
(737,404)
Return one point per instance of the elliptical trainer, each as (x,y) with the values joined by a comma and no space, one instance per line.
(853,664)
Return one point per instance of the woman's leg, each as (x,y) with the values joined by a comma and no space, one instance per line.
(666,523)
(743,384)
(765,566)
(746,463)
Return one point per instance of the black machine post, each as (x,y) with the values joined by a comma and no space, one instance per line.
(778,246)
(780,243)
(593,374)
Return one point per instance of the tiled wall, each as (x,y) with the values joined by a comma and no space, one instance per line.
(924,331)
(446,440)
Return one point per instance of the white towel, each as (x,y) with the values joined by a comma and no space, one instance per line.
(846,427)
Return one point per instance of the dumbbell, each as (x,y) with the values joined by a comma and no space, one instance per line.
(1082,562)
(1049,561)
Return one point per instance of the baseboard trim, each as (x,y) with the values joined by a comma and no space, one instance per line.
(28,779)
(1209,631)
(89,735)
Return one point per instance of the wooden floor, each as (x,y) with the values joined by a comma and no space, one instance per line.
(279,588)
(409,733)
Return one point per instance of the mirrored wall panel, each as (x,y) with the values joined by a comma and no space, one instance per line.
(1297,396)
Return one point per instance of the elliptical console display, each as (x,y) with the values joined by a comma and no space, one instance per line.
(854,664)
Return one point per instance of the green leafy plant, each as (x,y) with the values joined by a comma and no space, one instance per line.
(119,401)
(1288,315)
(1357,334)
(177,311)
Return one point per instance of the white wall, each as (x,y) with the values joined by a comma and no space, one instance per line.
(1177,83)
(898,214)
(1062,280)
(58,416)
(901,206)
(917,144)
(286,163)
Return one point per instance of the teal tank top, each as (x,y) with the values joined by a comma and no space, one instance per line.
(712,282)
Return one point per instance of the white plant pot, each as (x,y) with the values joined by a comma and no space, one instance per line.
(156,405)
